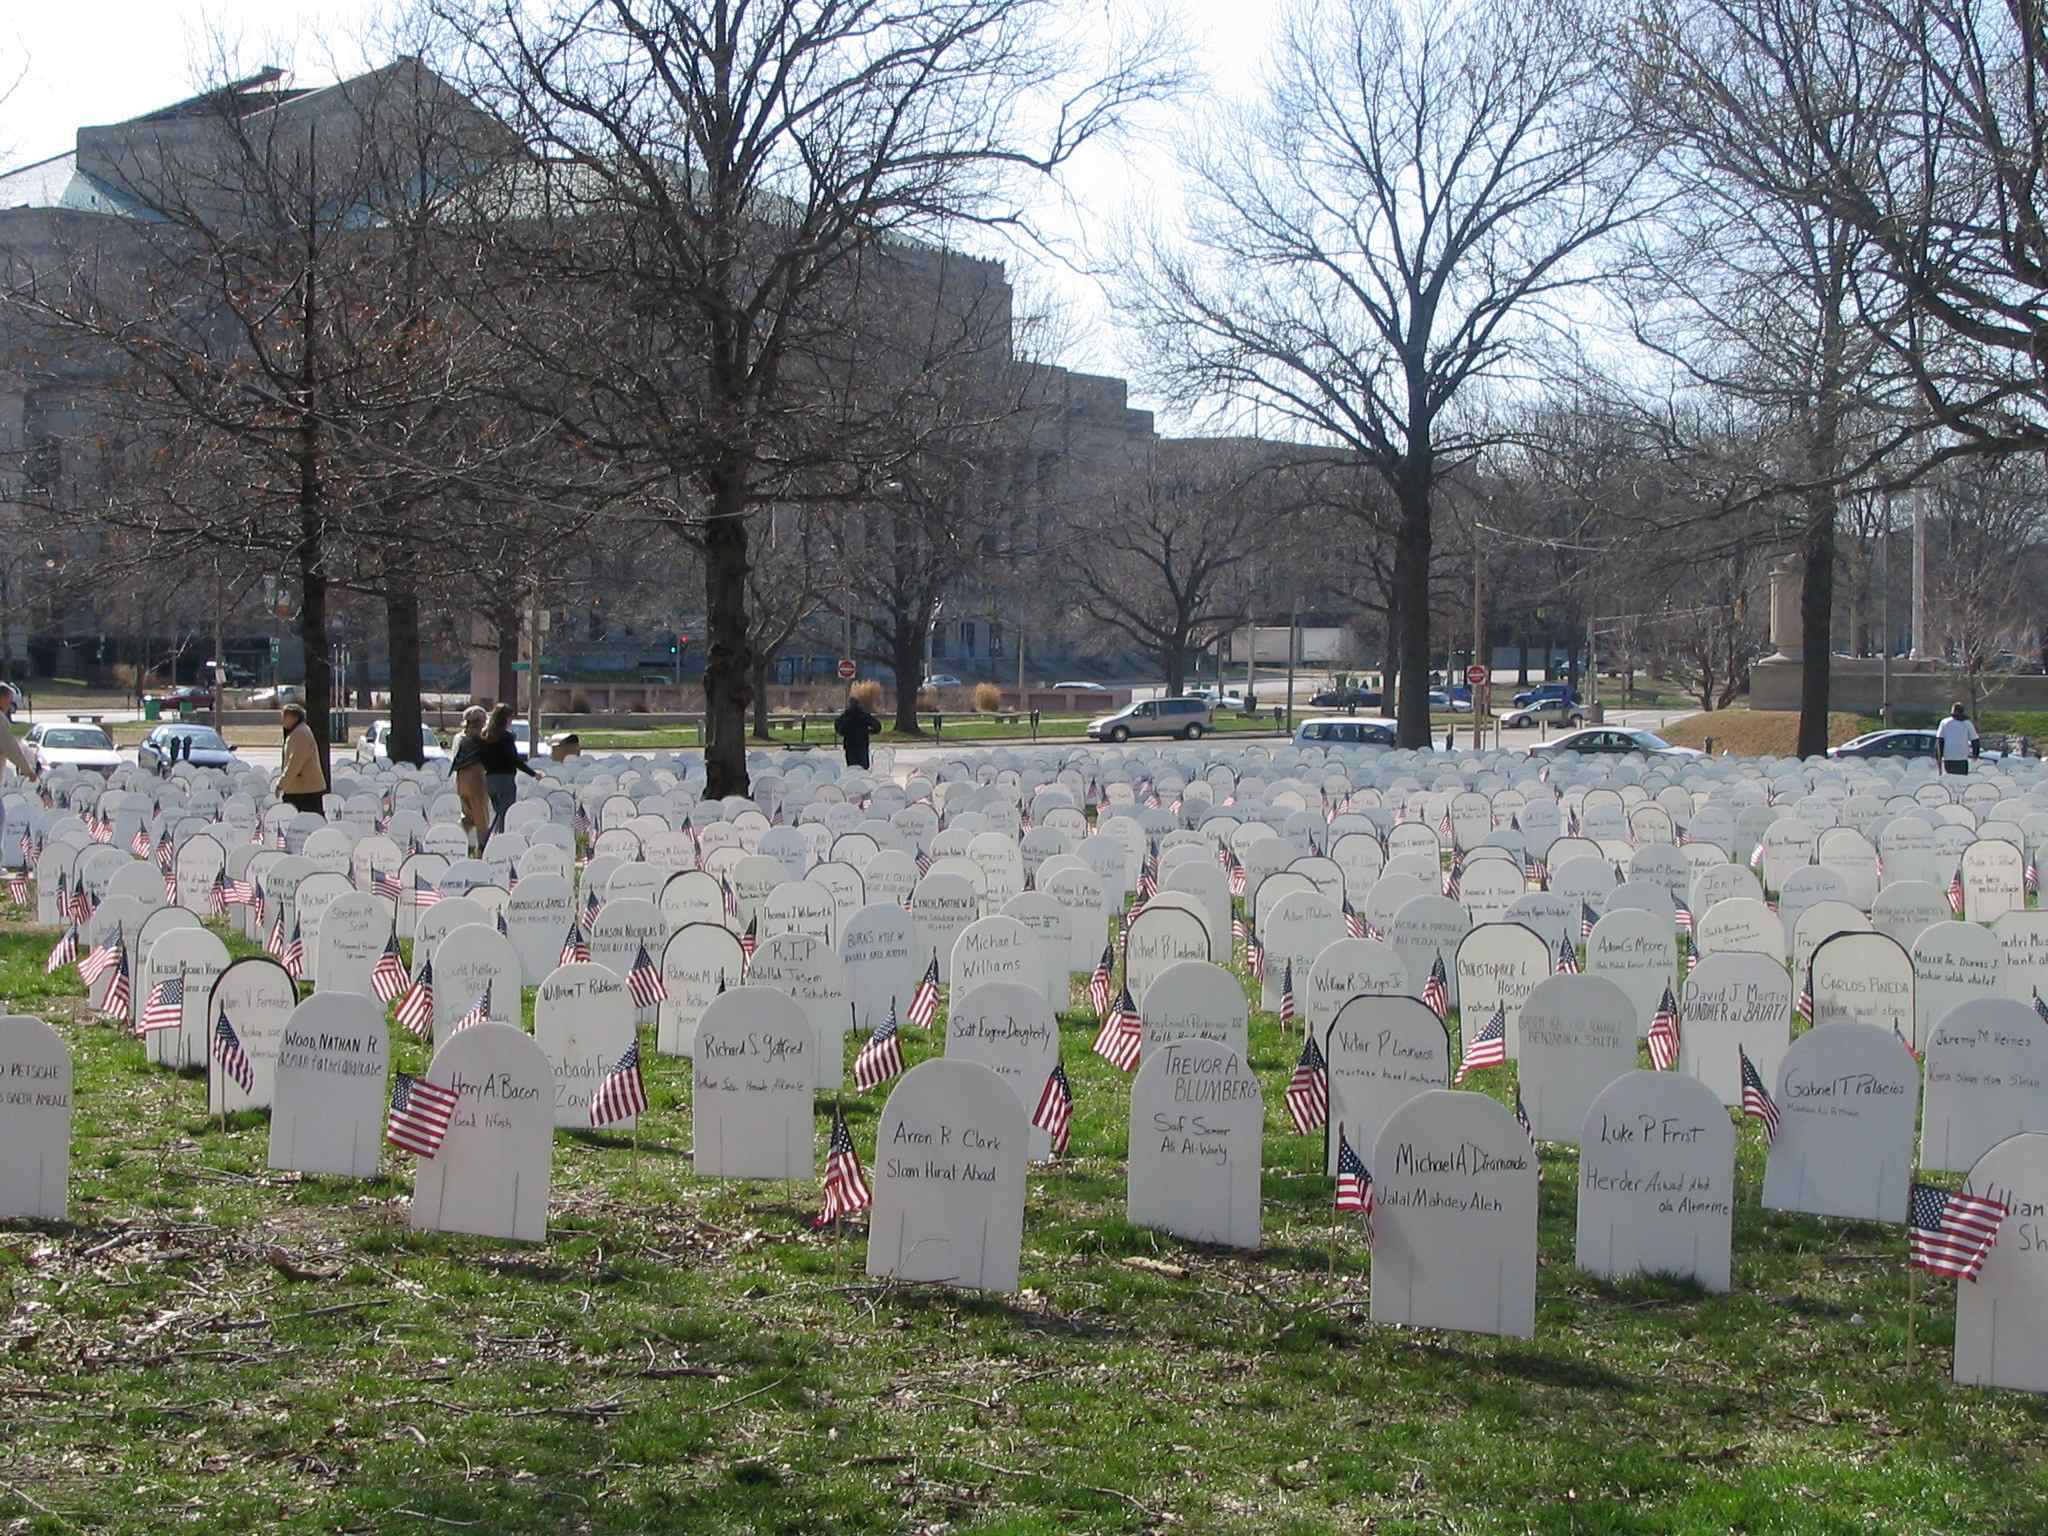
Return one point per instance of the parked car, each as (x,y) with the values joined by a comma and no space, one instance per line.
(1548,711)
(943,680)
(1185,718)
(374,745)
(1609,739)
(1544,691)
(200,745)
(1897,743)
(1345,732)
(1216,700)
(1335,698)
(1074,686)
(277,698)
(198,695)
(84,747)
(1442,703)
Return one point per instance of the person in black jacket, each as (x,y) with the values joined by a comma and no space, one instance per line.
(502,764)
(855,726)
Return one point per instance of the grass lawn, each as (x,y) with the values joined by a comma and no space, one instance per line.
(212,1347)
(1756,733)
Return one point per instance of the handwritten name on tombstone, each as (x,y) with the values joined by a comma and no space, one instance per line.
(949,1179)
(1657,1181)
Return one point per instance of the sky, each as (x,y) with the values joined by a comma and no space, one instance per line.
(101,61)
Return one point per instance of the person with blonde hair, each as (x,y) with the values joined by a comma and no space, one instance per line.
(300,783)
(503,762)
(467,768)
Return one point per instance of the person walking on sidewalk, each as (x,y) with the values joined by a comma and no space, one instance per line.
(503,762)
(302,785)
(1957,739)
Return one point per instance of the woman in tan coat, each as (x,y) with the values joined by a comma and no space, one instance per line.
(468,770)
(302,785)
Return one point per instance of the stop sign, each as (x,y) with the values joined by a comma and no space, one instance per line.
(1477,676)
(847,670)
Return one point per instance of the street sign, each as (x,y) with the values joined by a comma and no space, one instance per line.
(847,670)
(1478,676)
(276,648)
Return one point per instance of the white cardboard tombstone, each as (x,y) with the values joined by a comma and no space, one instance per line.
(353,932)
(583,1022)
(537,917)
(993,949)
(940,907)
(491,1176)
(1163,937)
(2024,937)
(1987,1064)
(1953,963)
(1346,969)
(1847,1094)
(200,958)
(1657,1181)
(808,969)
(699,961)
(1740,1001)
(1008,1028)
(948,1179)
(465,961)
(1499,965)
(1455,1246)
(328,1094)
(1638,952)
(1193,1000)
(1381,1052)
(1197,1132)
(755,1080)
(1578,1035)
(2002,1319)
(35,1120)
(1863,978)
(878,948)
(259,998)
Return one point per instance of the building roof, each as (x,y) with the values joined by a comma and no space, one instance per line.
(58,183)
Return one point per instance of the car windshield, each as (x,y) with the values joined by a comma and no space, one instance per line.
(203,740)
(1650,741)
(82,740)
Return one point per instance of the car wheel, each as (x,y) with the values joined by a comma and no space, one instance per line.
(1193,733)
(1577,721)
(1120,733)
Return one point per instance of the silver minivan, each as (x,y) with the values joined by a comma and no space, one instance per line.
(1185,718)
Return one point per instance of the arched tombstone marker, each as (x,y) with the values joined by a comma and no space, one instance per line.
(993,949)
(2002,1318)
(198,959)
(1638,952)
(1455,1239)
(1987,1064)
(259,998)
(755,1083)
(1197,1127)
(583,1022)
(537,918)
(1163,937)
(1193,1000)
(1578,1035)
(1499,965)
(1863,978)
(949,1179)
(1736,1001)
(474,962)
(353,931)
(1953,963)
(1657,1181)
(1847,1095)
(491,1175)
(35,1121)
(328,1095)
(941,908)
(1382,1052)
(2024,937)
(699,961)
(1007,1027)
(809,970)
(1346,969)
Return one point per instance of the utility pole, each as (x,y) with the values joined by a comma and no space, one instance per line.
(1293,651)
(534,632)
(1884,600)
(1478,639)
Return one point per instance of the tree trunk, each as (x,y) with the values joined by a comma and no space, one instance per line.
(1816,614)
(1522,667)
(728,657)
(1174,664)
(505,619)
(1411,577)
(402,631)
(760,691)
(1390,650)
(908,659)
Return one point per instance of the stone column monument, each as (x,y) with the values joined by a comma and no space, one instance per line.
(1788,632)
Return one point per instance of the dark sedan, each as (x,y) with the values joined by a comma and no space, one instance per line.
(199,745)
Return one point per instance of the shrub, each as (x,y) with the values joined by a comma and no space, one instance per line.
(869,693)
(927,699)
(579,703)
(988,698)
(125,676)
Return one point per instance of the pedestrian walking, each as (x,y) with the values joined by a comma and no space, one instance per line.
(855,726)
(503,762)
(302,785)
(1956,738)
(467,769)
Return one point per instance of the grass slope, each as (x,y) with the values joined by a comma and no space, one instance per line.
(212,1347)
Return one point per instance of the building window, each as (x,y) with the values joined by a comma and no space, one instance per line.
(938,641)
(967,638)
(995,639)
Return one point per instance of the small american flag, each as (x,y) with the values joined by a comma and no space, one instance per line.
(592,906)
(1756,857)
(644,981)
(729,897)
(575,948)
(1681,914)
(1354,923)
(416,1011)
(1664,1033)
(1955,891)
(119,992)
(227,1050)
(504,928)
(387,979)
(81,901)
(1055,1112)
(295,952)
(1588,918)
(1692,956)
(1522,1116)
(420,1113)
(1308,1091)
(1121,1034)
(217,895)
(1255,954)
(1803,1007)
(881,1055)
(1912,1051)
(1354,1184)
(384,882)
(2032,878)
(1372,931)
(1489,1047)
(273,942)
(170,888)
(424,895)
(17,888)
(1287,993)
(100,961)
(1447,831)
(478,1012)
(258,902)
(1572,824)
(1099,982)
(63,952)
(1756,1099)
(1237,876)
(1567,957)
(1436,992)
(923,1012)
(1951,1233)
(924,862)
(846,1186)
(140,845)
(751,939)
(2040,1005)
(164,1008)
(622,1093)
(1454,877)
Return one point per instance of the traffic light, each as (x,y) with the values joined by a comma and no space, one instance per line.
(672,646)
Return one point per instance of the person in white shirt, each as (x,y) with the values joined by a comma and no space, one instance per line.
(1957,739)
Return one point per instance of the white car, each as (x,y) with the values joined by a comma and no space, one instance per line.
(1072,686)
(86,748)
(1602,740)
(1217,699)
(374,746)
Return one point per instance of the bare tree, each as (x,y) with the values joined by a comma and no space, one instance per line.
(1390,232)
